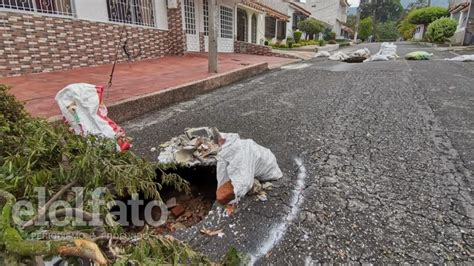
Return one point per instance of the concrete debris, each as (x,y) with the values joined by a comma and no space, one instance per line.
(462,58)
(170,203)
(356,56)
(209,232)
(262,196)
(197,146)
(361,53)
(338,56)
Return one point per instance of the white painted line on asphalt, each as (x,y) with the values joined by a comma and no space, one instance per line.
(279,230)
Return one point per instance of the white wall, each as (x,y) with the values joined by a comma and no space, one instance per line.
(96,10)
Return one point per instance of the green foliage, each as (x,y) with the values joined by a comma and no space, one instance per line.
(406,29)
(234,258)
(417,4)
(297,36)
(387,31)
(296,45)
(311,26)
(427,15)
(266,42)
(440,30)
(382,10)
(365,28)
(321,43)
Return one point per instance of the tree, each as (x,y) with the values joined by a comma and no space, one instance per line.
(365,28)
(417,4)
(441,30)
(406,29)
(388,31)
(427,15)
(311,26)
(381,11)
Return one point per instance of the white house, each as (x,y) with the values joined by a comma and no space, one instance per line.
(290,13)
(332,12)
(462,12)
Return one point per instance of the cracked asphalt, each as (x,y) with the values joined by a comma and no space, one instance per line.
(388,149)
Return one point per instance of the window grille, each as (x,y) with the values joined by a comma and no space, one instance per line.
(138,12)
(57,7)
(254,29)
(270,24)
(206,17)
(226,19)
(189,17)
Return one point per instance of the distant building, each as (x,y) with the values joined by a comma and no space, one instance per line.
(462,12)
(332,12)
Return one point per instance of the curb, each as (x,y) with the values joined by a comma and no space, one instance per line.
(139,105)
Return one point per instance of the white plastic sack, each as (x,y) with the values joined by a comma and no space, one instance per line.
(82,108)
(462,58)
(388,51)
(322,54)
(338,56)
(361,53)
(242,160)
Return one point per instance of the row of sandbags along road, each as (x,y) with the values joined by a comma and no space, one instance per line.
(387,52)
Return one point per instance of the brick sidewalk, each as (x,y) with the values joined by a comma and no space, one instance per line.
(130,79)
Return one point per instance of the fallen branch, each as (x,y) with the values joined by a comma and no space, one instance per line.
(42,211)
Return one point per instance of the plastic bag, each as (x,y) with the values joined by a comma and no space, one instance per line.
(322,54)
(361,53)
(462,58)
(388,51)
(242,160)
(83,110)
(418,55)
(338,56)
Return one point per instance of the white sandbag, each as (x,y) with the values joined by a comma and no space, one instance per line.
(338,56)
(322,54)
(361,53)
(462,58)
(377,57)
(242,160)
(82,108)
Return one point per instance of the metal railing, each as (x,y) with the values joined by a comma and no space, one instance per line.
(138,12)
(57,7)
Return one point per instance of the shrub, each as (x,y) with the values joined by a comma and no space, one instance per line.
(427,15)
(387,31)
(441,30)
(296,45)
(266,42)
(406,29)
(332,42)
(290,44)
(332,35)
(321,42)
(297,36)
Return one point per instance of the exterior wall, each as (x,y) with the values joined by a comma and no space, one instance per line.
(465,31)
(329,11)
(34,43)
(255,49)
(419,32)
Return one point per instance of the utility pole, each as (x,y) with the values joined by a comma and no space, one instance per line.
(212,54)
(357,25)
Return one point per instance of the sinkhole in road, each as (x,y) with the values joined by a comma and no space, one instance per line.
(183,209)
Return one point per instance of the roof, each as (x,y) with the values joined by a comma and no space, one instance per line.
(270,11)
(459,7)
(300,9)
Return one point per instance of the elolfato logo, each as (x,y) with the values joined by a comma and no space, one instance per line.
(77,212)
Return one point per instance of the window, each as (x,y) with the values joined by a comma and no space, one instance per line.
(254,29)
(57,7)
(226,19)
(242,31)
(281,30)
(138,12)
(270,24)
(205,11)
(464,19)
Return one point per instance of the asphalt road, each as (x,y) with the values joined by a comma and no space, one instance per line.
(387,156)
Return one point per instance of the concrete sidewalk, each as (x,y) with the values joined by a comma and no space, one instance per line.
(137,79)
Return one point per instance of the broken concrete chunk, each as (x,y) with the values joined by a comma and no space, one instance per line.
(170,203)
(199,132)
(177,211)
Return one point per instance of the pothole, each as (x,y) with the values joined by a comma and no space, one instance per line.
(184,210)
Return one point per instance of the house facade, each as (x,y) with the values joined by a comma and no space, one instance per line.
(49,35)
(332,12)
(281,23)
(462,12)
